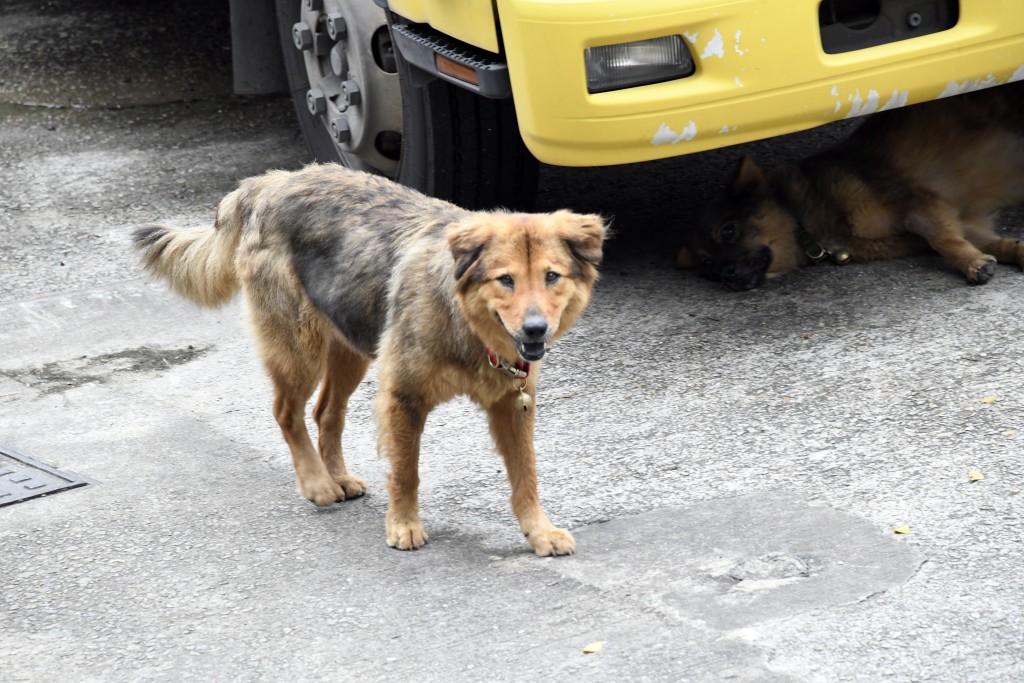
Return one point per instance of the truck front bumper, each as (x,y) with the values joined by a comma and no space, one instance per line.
(760,72)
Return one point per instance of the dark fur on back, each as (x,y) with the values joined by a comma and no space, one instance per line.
(928,176)
(341,269)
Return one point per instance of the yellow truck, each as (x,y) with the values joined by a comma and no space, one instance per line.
(461,98)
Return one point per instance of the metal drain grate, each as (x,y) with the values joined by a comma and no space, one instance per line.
(23,478)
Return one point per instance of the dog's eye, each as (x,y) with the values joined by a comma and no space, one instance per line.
(728,232)
(507,281)
(551,277)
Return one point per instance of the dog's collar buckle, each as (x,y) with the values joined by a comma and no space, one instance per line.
(518,372)
(815,251)
(818,253)
(521,369)
(812,247)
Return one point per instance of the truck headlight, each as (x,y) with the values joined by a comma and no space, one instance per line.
(626,65)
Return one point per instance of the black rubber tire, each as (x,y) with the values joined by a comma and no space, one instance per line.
(456,145)
(462,147)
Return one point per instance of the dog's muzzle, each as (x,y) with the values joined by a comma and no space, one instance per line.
(532,351)
(747,274)
(531,342)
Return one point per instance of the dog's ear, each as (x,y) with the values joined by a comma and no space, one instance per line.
(684,259)
(748,178)
(584,234)
(466,241)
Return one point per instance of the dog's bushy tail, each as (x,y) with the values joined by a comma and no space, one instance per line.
(198,263)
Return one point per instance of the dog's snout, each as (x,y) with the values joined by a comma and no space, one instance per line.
(535,327)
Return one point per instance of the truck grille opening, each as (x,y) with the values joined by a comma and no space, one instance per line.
(848,25)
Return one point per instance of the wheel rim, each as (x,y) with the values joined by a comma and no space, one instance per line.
(353,83)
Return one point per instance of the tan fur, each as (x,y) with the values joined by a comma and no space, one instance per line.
(929,176)
(339,267)
(200,265)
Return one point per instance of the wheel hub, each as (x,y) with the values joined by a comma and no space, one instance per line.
(353,83)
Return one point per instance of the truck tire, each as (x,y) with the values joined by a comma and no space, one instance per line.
(423,132)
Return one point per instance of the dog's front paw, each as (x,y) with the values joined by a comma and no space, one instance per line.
(552,542)
(351,487)
(406,535)
(981,271)
(322,491)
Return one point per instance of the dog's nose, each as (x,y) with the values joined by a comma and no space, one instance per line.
(535,327)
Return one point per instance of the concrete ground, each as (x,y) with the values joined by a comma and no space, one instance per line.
(732,465)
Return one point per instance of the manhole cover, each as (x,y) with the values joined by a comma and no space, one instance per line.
(22,478)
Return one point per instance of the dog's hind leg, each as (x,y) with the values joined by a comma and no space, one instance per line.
(939,224)
(291,393)
(982,234)
(345,369)
(1006,250)
(293,344)
(512,430)
(401,416)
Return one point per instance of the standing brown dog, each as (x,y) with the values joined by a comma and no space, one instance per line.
(339,267)
(928,176)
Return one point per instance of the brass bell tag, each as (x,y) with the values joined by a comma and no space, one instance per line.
(523,401)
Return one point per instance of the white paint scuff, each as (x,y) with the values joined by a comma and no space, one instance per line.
(954,88)
(739,50)
(715,47)
(863,107)
(896,100)
(738,82)
(1017,75)
(692,37)
(665,134)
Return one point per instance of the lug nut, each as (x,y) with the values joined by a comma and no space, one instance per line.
(316,102)
(350,93)
(340,130)
(337,29)
(302,36)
